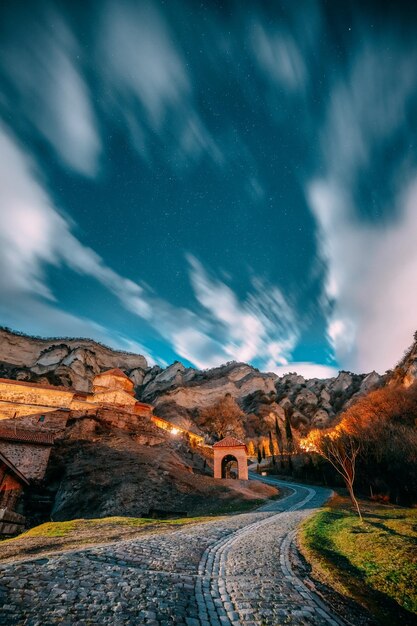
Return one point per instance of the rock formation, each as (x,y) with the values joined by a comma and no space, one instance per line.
(63,361)
(178,392)
(405,372)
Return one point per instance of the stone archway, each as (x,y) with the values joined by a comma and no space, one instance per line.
(230,466)
(228,452)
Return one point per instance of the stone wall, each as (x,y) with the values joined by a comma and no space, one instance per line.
(30,459)
(104,382)
(12,409)
(54,421)
(113,396)
(34,395)
(238,453)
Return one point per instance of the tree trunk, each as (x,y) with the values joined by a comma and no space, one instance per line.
(354,500)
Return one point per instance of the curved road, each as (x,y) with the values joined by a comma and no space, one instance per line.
(231,571)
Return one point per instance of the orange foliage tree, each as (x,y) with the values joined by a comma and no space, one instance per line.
(223,418)
(376,438)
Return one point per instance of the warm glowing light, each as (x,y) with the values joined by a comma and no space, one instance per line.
(174,431)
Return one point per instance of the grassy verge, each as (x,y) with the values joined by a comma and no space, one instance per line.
(53,537)
(374,562)
(62,529)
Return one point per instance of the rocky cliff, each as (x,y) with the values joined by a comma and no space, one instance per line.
(405,372)
(179,393)
(63,361)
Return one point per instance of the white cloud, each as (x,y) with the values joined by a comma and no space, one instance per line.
(143,71)
(197,347)
(33,235)
(279,57)
(371,283)
(47,89)
(285,48)
(141,58)
(306,369)
(260,328)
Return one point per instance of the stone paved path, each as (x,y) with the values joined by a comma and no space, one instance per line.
(232,571)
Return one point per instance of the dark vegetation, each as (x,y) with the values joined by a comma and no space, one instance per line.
(374,442)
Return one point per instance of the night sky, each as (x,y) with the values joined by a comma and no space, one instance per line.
(212,181)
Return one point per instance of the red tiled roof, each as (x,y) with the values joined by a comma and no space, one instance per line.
(229,442)
(26,436)
(114,372)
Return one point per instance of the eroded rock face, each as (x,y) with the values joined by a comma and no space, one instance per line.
(405,373)
(180,393)
(191,388)
(68,362)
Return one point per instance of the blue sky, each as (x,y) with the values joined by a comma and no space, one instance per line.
(212,181)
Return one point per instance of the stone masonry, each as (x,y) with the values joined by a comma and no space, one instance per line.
(231,571)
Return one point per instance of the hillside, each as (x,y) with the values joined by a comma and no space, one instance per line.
(105,465)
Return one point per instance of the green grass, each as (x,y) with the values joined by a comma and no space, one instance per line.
(374,562)
(63,529)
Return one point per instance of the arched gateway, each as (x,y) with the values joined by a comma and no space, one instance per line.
(230,459)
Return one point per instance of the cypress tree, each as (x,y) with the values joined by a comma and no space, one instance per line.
(288,410)
(271,448)
(280,441)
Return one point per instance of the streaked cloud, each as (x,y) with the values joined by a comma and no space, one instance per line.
(40,63)
(34,235)
(306,369)
(280,57)
(261,328)
(371,264)
(147,81)
(284,48)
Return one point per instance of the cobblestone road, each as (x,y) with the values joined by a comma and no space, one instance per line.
(233,571)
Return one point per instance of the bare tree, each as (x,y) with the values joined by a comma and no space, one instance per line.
(340,449)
